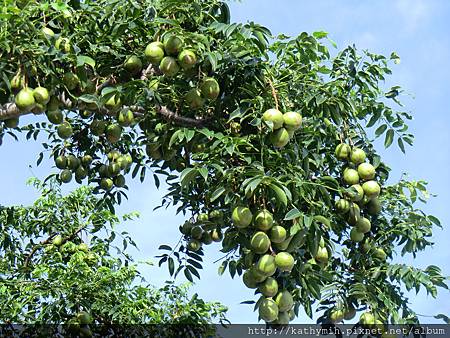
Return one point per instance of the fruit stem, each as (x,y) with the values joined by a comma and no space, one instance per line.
(272,252)
(274,93)
(346,133)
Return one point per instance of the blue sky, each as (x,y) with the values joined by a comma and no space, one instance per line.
(417,30)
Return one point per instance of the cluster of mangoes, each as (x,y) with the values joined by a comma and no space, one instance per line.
(266,262)
(361,195)
(108,114)
(67,248)
(283,126)
(171,56)
(205,230)
(27,99)
(366,319)
(71,164)
(359,203)
(109,173)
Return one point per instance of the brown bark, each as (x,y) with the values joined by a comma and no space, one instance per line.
(10,110)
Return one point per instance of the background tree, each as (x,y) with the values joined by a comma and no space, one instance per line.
(265,146)
(58,266)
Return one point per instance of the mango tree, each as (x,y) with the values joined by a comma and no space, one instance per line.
(266,144)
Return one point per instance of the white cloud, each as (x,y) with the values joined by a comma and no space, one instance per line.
(366,40)
(413,13)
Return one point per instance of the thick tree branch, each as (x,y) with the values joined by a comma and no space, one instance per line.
(36,248)
(10,110)
(49,240)
(169,115)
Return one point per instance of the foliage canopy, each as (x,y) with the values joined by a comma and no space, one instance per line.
(58,261)
(174,89)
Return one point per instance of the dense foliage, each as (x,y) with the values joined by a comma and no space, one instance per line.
(266,144)
(62,257)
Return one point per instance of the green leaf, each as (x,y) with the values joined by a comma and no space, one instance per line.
(108,92)
(212,58)
(321,219)
(194,271)
(187,175)
(195,263)
(176,137)
(188,275)
(395,57)
(162,260)
(6,80)
(189,134)
(59,6)
(389,138)
(375,117)
(292,214)
(445,318)
(401,145)
(260,41)
(156,179)
(435,220)
(281,195)
(314,288)
(195,256)
(320,34)
(222,267)
(308,308)
(88,98)
(39,160)
(217,193)
(204,172)
(381,129)
(85,60)
(299,238)
(232,268)
(224,13)
(335,115)
(237,113)
(171,266)
(142,175)
(251,184)
(307,220)
(330,182)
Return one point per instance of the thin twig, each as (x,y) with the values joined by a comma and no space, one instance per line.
(225,256)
